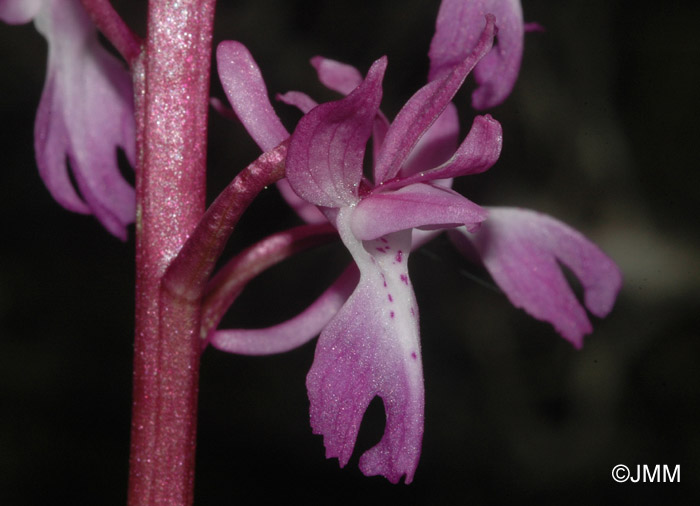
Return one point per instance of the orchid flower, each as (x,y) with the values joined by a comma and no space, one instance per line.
(371,346)
(85,113)
(457,22)
(457,28)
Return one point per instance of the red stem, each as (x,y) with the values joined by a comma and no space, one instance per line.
(189,272)
(171,80)
(113,27)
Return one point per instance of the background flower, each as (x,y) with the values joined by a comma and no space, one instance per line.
(84,115)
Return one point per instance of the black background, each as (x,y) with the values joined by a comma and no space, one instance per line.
(600,132)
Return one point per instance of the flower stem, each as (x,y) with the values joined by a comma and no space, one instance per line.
(171,81)
(113,27)
(228,283)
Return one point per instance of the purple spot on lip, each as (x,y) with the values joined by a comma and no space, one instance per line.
(404,278)
(413,355)
(381,250)
(392,314)
(413,313)
(383,240)
(391,299)
(384,280)
(399,256)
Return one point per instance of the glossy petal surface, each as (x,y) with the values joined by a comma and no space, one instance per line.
(521,248)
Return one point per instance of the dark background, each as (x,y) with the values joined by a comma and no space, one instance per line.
(601,131)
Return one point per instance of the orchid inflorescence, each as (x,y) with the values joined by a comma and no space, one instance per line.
(369,344)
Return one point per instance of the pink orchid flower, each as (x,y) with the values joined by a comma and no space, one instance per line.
(371,346)
(85,113)
(369,343)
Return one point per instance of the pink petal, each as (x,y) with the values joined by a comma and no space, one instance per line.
(223,109)
(381,127)
(324,164)
(521,248)
(479,151)
(247,93)
(300,100)
(17,12)
(246,90)
(459,24)
(336,76)
(436,146)
(85,112)
(294,332)
(344,78)
(371,348)
(423,109)
(307,212)
(417,205)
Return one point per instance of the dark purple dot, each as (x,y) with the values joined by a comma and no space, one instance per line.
(391,299)
(413,355)
(404,278)
(399,256)
(391,314)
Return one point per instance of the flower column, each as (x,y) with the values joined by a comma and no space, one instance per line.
(171,81)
